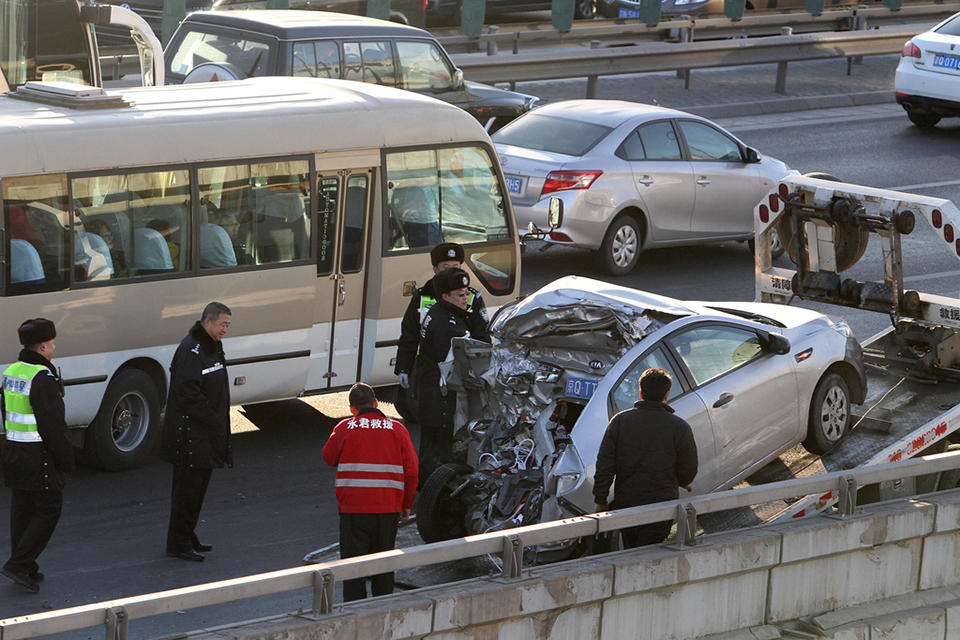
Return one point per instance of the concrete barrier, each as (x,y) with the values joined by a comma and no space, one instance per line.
(890,571)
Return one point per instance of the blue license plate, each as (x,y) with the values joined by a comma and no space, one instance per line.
(581,387)
(629,13)
(945,61)
(514,184)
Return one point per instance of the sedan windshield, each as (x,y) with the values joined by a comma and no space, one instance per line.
(556,135)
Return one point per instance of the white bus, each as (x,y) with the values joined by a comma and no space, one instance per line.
(307,206)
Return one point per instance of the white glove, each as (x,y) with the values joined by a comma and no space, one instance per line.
(404,380)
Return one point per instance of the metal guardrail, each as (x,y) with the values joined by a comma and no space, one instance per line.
(509,544)
(668,56)
(607,32)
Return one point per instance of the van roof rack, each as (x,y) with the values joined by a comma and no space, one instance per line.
(69,94)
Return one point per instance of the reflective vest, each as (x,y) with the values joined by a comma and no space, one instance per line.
(427,302)
(19,420)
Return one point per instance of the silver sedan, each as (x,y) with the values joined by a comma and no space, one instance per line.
(632,176)
(752,380)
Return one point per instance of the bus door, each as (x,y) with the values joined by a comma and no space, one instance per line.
(343,221)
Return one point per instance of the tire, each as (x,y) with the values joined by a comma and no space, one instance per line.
(776,247)
(607,10)
(621,246)
(125,431)
(586,9)
(829,414)
(440,517)
(923,120)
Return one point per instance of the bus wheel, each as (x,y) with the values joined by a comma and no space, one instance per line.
(125,431)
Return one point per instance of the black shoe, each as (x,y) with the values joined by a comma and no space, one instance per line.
(22,579)
(199,546)
(36,576)
(187,555)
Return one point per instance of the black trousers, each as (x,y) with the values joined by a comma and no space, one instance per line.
(33,518)
(363,533)
(186,500)
(653,533)
(436,430)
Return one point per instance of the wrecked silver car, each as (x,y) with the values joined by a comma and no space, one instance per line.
(751,379)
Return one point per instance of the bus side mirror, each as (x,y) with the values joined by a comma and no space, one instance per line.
(555,216)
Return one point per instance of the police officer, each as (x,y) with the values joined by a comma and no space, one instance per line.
(444,256)
(36,451)
(196,429)
(449,318)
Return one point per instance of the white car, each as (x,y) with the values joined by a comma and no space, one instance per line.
(632,176)
(928,76)
(751,379)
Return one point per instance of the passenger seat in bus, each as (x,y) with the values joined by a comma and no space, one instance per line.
(25,264)
(150,252)
(216,250)
(91,253)
(281,226)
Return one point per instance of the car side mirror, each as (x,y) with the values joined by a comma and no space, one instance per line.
(752,157)
(458,79)
(555,216)
(773,343)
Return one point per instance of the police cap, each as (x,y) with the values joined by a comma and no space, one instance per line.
(35,331)
(446,251)
(451,280)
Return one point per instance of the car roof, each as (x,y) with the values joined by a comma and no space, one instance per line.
(611,113)
(579,287)
(292,24)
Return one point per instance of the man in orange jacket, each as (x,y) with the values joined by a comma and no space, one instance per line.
(376,481)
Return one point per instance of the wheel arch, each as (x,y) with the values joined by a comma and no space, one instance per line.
(150,367)
(849,374)
(639,216)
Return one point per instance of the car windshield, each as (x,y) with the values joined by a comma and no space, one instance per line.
(951,28)
(556,135)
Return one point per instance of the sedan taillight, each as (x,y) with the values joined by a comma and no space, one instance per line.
(566,180)
(911,50)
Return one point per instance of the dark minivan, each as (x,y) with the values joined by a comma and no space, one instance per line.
(228,45)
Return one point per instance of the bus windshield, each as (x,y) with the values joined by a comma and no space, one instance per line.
(44,40)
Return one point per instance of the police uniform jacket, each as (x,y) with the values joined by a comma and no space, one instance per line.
(39,466)
(196,429)
(376,464)
(409,342)
(650,451)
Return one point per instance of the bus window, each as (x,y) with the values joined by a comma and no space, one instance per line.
(131,225)
(36,218)
(62,53)
(354,223)
(443,195)
(326,223)
(254,214)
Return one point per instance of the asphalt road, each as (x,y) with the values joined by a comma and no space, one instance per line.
(277,504)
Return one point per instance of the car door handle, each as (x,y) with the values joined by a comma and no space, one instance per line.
(703,180)
(645,181)
(725,398)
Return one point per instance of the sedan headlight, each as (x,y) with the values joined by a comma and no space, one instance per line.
(567,482)
(841,327)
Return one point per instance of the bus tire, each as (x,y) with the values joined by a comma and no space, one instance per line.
(440,517)
(829,414)
(127,426)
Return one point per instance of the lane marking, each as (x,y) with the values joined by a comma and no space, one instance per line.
(929,276)
(925,185)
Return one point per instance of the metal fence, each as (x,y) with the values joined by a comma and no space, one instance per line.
(509,544)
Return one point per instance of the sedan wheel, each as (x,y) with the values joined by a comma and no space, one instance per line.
(586,9)
(829,414)
(621,246)
(923,120)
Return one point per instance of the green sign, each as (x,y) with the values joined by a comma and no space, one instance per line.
(379,9)
(174,11)
(650,12)
(472,13)
(733,9)
(893,4)
(813,7)
(278,4)
(562,14)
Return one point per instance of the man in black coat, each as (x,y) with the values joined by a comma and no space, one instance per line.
(196,428)
(650,452)
(36,450)
(448,255)
(446,320)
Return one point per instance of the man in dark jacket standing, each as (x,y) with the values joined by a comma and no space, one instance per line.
(196,428)
(36,451)
(650,452)
(444,256)
(375,486)
(449,318)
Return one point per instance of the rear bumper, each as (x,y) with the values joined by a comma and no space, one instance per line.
(923,104)
(925,91)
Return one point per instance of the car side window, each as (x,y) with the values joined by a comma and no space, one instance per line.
(352,62)
(628,391)
(423,67)
(316,59)
(378,64)
(713,350)
(632,148)
(247,57)
(706,143)
(659,141)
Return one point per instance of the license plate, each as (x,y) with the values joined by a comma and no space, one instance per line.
(945,61)
(514,184)
(581,387)
(629,13)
